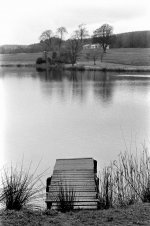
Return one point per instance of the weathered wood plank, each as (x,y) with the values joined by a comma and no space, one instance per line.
(62,164)
(78,199)
(74,160)
(75,186)
(72,167)
(80,207)
(78,193)
(59,179)
(73,175)
(73,182)
(74,171)
(82,203)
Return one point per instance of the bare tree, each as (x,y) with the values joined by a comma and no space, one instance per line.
(61,32)
(81,33)
(103,35)
(46,39)
(74,48)
(93,55)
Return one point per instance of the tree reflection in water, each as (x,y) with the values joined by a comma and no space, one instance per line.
(78,84)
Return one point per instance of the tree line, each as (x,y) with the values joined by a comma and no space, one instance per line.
(55,41)
(70,49)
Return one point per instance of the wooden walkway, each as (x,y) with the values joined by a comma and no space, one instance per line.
(78,174)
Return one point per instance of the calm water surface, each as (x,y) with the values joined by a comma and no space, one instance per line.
(68,114)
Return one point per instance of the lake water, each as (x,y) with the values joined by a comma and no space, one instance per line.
(70,115)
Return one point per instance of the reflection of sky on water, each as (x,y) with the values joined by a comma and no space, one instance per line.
(2,124)
(69,114)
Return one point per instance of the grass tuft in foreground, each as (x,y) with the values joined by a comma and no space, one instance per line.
(20,188)
(66,198)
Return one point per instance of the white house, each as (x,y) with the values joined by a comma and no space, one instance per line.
(93,46)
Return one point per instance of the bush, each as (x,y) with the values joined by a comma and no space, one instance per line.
(66,198)
(20,188)
(40,60)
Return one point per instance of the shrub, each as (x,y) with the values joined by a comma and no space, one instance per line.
(20,188)
(40,60)
(66,198)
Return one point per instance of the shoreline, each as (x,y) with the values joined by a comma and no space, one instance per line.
(87,67)
(108,67)
(138,214)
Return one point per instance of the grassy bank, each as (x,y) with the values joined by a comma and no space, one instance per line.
(115,60)
(124,197)
(129,56)
(88,66)
(124,56)
(132,215)
(19,58)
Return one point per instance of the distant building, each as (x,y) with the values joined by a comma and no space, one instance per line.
(93,46)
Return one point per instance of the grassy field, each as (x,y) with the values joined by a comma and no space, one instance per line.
(126,56)
(19,58)
(132,215)
(138,57)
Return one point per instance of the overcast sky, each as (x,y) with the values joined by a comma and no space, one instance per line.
(22,21)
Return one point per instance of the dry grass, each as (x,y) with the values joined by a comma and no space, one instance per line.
(132,215)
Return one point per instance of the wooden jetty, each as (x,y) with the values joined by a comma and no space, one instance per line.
(80,175)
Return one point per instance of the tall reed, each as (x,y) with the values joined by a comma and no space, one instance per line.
(105,188)
(126,180)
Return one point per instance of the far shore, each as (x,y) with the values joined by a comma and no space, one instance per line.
(102,66)
(116,60)
(87,66)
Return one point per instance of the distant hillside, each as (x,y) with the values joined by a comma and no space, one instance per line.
(13,46)
(9,48)
(136,39)
(33,48)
